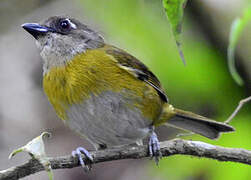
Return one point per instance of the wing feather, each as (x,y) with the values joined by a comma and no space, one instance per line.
(136,68)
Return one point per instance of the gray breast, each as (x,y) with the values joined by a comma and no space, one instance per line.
(107,119)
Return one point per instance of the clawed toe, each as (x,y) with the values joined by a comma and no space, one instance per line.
(154,148)
(78,152)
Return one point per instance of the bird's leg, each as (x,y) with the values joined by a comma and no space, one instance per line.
(78,152)
(154,146)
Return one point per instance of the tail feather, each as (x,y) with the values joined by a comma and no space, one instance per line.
(198,124)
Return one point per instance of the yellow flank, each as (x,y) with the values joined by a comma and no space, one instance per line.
(94,72)
(167,113)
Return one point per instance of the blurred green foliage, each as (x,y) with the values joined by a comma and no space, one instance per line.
(236,29)
(141,28)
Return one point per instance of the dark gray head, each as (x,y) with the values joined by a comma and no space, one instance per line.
(59,38)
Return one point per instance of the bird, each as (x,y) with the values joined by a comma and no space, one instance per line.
(103,93)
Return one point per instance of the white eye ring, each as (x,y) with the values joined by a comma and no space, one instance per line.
(73,26)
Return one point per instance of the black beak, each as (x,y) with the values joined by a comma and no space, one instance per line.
(36,30)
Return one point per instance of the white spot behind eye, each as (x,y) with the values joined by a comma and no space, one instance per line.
(72,24)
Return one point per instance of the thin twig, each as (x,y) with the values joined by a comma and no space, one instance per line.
(241,103)
(168,148)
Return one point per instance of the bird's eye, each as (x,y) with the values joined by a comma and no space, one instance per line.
(65,24)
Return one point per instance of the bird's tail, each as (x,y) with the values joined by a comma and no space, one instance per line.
(197,124)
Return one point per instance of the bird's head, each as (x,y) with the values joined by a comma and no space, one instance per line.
(60,38)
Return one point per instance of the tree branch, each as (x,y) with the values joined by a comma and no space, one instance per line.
(168,148)
(241,103)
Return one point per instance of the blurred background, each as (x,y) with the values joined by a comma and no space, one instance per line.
(140,27)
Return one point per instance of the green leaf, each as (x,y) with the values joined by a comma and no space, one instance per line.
(174,11)
(235,32)
(35,148)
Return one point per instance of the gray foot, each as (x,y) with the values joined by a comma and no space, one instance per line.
(154,148)
(78,152)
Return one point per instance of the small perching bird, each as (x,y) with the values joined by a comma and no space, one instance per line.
(105,94)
